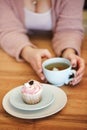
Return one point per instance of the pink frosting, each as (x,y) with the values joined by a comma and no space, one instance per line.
(31,88)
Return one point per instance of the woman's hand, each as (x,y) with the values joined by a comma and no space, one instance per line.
(77,63)
(34,56)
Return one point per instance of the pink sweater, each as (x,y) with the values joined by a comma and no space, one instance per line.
(66,19)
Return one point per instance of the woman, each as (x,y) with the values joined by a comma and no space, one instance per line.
(63,17)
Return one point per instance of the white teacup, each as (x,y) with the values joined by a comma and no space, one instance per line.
(56,76)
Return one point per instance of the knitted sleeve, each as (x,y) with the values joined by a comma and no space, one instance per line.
(68,29)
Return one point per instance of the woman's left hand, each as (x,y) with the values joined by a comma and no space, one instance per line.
(77,63)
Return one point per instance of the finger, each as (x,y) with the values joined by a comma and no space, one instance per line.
(72,58)
(81,67)
(74,63)
(76,79)
(46,53)
(41,76)
(37,66)
(39,73)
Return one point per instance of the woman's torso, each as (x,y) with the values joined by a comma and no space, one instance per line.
(41,6)
(38,15)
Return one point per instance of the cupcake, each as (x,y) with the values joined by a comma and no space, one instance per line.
(32,92)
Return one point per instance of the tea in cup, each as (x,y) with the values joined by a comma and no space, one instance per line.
(58,71)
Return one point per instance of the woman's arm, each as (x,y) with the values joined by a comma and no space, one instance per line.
(13,35)
(68,35)
(68,27)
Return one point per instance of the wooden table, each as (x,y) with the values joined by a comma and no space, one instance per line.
(13,74)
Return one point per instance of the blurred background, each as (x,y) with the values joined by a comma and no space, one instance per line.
(85,5)
(85,16)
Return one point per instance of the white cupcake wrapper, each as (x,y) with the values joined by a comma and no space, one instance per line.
(32,98)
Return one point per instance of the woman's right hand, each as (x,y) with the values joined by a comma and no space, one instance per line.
(34,56)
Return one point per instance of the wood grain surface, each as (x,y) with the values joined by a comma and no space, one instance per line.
(12,74)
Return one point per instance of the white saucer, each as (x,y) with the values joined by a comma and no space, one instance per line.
(58,104)
(17,102)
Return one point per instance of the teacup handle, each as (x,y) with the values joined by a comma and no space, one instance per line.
(71,76)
